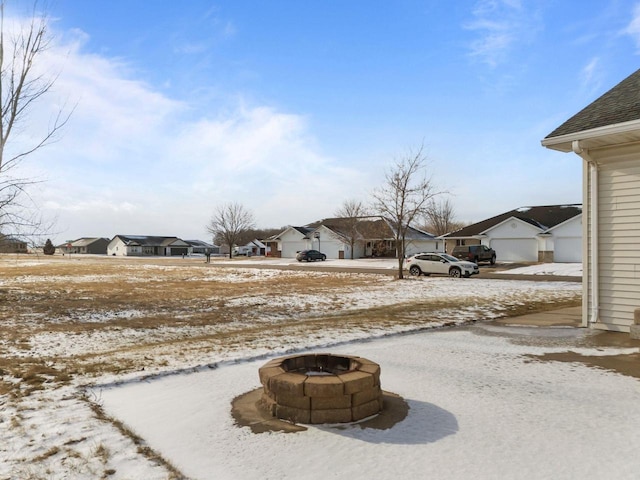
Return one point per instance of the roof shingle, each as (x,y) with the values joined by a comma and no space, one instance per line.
(620,104)
(544,217)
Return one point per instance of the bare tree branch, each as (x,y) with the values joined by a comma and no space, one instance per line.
(229,222)
(20,88)
(350,213)
(440,217)
(404,197)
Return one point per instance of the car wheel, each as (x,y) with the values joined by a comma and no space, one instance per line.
(493,260)
(324,257)
(475,260)
(455,272)
(415,271)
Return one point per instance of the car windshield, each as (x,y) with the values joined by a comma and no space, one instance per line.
(449,257)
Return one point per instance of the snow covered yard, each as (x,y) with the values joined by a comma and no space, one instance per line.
(71,323)
(556,269)
(479,407)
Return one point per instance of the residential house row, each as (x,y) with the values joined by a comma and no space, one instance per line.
(526,234)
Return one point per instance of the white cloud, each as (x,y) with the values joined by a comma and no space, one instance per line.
(591,76)
(133,160)
(633,29)
(500,24)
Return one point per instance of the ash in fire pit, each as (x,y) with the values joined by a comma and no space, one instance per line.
(321,388)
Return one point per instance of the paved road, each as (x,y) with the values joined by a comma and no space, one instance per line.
(486,272)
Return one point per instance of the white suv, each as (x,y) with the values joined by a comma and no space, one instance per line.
(428,263)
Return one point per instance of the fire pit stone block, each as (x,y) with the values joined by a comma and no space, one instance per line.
(321,388)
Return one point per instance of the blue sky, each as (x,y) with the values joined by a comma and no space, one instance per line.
(292,107)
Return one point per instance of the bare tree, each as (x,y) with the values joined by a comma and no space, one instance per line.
(440,217)
(350,213)
(20,88)
(404,197)
(258,233)
(229,222)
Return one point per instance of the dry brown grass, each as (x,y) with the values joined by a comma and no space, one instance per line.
(200,304)
(72,320)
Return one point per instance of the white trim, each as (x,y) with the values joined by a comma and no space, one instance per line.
(509,220)
(607,130)
(576,146)
(563,223)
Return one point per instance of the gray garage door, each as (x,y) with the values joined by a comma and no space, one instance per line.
(515,250)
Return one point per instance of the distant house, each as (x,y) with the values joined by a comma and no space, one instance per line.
(606,135)
(550,233)
(10,244)
(93,245)
(143,245)
(288,242)
(254,248)
(200,247)
(373,236)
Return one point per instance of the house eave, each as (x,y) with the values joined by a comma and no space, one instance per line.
(620,133)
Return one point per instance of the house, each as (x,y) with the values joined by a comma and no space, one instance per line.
(255,248)
(143,245)
(288,242)
(371,236)
(199,247)
(12,245)
(94,245)
(550,233)
(606,135)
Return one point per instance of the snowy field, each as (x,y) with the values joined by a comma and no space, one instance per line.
(120,370)
(479,408)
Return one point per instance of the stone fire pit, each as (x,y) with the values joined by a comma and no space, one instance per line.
(321,388)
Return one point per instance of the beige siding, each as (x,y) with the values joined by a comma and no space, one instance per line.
(619,238)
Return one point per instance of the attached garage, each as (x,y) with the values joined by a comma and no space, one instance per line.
(290,249)
(528,234)
(515,249)
(568,250)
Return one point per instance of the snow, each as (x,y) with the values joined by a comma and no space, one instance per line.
(381,263)
(557,269)
(479,408)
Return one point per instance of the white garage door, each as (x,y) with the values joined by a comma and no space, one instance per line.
(567,250)
(289,249)
(329,248)
(515,250)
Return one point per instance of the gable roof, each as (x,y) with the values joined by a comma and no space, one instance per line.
(367,228)
(301,230)
(149,241)
(543,217)
(618,107)
(198,243)
(84,241)
(11,239)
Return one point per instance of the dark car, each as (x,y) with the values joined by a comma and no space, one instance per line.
(310,255)
(475,253)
